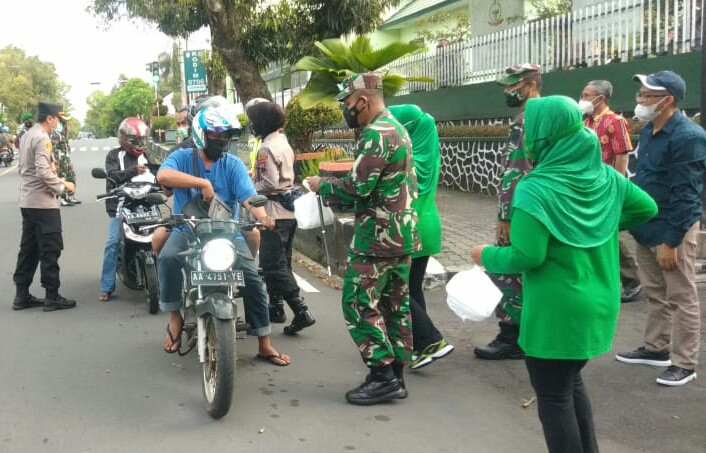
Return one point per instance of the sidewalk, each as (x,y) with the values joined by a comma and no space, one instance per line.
(467,219)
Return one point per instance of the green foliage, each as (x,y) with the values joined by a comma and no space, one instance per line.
(340,59)
(163,122)
(431,32)
(74,126)
(550,8)
(309,167)
(134,97)
(244,120)
(25,80)
(301,123)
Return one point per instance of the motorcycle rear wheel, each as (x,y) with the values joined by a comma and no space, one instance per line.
(219,366)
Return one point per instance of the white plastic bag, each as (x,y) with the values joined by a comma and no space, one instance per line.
(472,295)
(306,211)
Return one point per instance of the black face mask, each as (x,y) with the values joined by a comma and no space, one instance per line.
(351,115)
(514,99)
(215,148)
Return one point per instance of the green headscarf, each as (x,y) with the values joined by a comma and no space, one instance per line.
(425,144)
(570,191)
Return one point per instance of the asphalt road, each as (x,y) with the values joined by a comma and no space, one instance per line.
(95,379)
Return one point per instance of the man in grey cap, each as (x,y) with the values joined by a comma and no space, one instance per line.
(670,164)
(40,188)
(521,82)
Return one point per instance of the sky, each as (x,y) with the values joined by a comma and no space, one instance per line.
(87,56)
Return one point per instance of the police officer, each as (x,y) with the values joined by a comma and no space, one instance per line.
(375,287)
(40,188)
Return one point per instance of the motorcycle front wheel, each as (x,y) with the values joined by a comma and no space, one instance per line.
(151,287)
(219,366)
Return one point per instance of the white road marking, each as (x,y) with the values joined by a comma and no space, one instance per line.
(83,148)
(14,167)
(94,148)
(305,285)
(106,148)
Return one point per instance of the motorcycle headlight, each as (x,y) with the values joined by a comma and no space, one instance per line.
(218,254)
(137,192)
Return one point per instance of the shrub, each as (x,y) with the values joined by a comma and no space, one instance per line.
(163,122)
(300,124)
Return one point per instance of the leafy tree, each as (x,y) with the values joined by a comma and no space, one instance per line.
(301,124)
(248,34)
(340,59)
(24,81)
(129,97)
(550,8)
(430,32)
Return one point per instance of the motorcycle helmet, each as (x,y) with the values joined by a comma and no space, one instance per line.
(132,135)
(211,120)
(219,103)
(5,130)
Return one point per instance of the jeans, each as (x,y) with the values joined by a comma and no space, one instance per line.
(423,330)
(563,405)
(169,265)
(110,255)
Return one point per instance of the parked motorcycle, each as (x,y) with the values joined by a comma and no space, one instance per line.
(141,204)
(211,282)
(6,156)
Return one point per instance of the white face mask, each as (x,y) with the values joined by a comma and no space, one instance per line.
(647,112)
(586,107)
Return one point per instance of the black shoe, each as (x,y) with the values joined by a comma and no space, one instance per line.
(675,376)
(499,349)
(644,357)
(301,320)
(277,314)
(58,303)
(631,295)
(27,302)
(376,390)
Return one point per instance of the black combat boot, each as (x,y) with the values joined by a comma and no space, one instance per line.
(504,346)
(276,308)
(379,386)
(302,317)
(398,370)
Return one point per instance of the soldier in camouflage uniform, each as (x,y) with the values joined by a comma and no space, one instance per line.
(381,186)
(62,153)
(521,82)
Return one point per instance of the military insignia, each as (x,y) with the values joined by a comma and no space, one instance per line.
(261,162)
(47,146)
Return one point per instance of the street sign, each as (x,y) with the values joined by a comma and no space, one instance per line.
(194,72)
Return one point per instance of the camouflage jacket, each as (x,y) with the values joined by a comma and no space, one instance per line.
(61,150)
(381,187)
(516,164)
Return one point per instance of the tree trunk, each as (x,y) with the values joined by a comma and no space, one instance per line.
(222,18)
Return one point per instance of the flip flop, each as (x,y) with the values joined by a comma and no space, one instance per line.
(272,358)
(105,297)
(175,341)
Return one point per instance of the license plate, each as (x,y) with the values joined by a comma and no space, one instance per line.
(210,278)
(143,217)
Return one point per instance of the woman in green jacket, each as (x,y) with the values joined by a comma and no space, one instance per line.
(564,234)
(429,344)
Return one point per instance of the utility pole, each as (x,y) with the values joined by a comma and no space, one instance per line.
(184,100)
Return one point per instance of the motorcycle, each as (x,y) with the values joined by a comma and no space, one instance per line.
(6,156)
(141,203)
(211,282)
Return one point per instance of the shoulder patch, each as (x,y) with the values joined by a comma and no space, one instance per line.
(261,162)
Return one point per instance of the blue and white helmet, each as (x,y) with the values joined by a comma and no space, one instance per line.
(214,121)
(5,129)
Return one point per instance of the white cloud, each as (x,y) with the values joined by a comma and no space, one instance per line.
(81,48)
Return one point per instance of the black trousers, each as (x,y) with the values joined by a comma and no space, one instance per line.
(423,329)
(41,243)
(276,260)
(563,405)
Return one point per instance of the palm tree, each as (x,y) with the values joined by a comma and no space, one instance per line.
(340,59)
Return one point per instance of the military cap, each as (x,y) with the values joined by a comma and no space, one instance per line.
(26,117)
(515,74)
(48,108)
(360,81)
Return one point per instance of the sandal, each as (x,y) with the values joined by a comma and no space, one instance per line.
(175,341)
(274,359)
(105,297)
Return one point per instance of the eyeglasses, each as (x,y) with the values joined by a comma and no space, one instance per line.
(639,97)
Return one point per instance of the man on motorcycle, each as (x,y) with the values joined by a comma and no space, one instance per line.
(121,166)
(224,175)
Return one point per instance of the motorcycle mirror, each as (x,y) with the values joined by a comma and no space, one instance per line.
(155,198)
(258,201)
(99,173)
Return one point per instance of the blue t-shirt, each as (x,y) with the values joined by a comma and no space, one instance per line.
(228,176)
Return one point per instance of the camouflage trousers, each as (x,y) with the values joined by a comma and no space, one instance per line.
(376,308)
(510,307)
